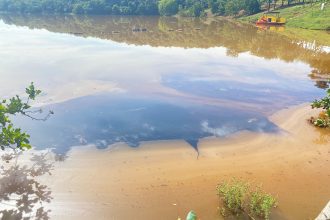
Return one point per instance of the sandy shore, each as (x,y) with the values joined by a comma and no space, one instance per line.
(164,180)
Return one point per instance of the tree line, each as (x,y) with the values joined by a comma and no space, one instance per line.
(195,8)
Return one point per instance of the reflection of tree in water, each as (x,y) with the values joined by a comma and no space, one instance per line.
(321,80)
(324,137)
(232,53)
(200,33)
(22,196)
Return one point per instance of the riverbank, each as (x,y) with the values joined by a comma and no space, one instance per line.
(301,16)
(164,180)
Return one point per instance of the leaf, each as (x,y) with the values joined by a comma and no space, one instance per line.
(11,137)
(32,91)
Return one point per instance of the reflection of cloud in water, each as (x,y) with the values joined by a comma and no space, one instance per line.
(104,120)
(135,109)
(269,91)
(152,93)
(69,62)
(148,126)
(219,132)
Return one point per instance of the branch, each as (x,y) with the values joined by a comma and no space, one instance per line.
(34,112)
(38,119)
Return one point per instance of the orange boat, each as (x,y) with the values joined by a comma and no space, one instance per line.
(271,18)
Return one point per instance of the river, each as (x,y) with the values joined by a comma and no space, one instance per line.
(168,83)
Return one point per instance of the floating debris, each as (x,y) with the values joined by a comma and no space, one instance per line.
(77,33)
(135,29)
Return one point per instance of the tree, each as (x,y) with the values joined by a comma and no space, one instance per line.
(232,7)
(11,137)
(251,6)
(133,7)
(217,6)
(168,7)
(197,9)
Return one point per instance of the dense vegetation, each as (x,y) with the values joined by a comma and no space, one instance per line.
(133,7)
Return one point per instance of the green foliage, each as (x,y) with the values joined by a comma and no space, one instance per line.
(11,137)
(240,7)
(233,194)
(323,103)
(323,120)
(194,8)
(239,199)
(261,203)
(32,91)
(120,7)
(232,7)
(251,6)
(168,7)
(218,6)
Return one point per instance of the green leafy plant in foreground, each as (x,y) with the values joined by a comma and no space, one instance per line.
(240,200)
(323,119)
(261,203)
(11,137)
(233,194)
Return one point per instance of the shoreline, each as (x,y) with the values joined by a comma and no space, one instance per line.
(164,180)
(298,16)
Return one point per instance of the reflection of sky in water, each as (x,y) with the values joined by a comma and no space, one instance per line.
(160,93)
(105,119)
(269,89)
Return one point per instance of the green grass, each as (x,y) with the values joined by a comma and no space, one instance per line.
(320,37)
(302,16)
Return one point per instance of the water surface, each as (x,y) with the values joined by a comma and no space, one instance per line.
(134,79)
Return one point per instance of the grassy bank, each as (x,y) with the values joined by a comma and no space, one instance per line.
(302,16)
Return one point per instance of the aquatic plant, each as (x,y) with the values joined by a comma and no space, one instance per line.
(239,200)
(261,203)
(233,194)
(11,137)
(323,119)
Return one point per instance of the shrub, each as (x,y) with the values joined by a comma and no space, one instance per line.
(241,201)
(261,203)
(233,194)
(323,119)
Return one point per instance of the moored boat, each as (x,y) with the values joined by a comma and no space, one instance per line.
(271,18)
